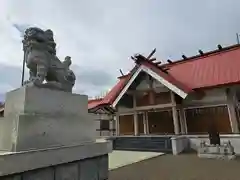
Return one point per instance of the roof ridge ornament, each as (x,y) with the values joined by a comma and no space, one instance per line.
(137,58)
(219,47)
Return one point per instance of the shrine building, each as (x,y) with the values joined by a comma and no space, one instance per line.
(181,97)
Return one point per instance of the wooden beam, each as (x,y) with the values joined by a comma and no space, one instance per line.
(152,53)
(157,63)
(140,91)
(153,59)
(144,108)
(193,105)
(159,106)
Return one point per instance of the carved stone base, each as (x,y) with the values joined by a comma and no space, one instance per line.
(217,156)
(225,151)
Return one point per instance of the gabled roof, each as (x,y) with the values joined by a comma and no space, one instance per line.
(212,69)
(158,74)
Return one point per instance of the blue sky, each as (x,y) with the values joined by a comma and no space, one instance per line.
(100,36)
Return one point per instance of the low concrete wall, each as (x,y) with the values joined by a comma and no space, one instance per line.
(83,162)
(184,143)
(196,139)
(179,144)
(107,133)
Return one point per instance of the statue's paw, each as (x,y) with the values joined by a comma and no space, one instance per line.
(33,81)
(26,82)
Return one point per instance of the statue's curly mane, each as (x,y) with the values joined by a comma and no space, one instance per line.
(35,37)
(33,34)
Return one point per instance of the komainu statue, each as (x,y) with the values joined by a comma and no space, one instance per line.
(40,57)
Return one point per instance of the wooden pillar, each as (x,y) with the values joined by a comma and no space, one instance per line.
(174,114)
(145,125)
(135,116)
(151,100)
(182,128)
(175,120)
(117,125)
(231,110)
(147,122)
(151,97)
(183,122)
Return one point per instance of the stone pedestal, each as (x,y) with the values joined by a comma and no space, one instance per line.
(39,118)
(225,151)
(83,162)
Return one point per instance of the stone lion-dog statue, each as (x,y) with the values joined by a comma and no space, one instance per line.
(43,64)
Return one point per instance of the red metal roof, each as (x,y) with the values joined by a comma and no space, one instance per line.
(113,93)
(94,103)
(216,68)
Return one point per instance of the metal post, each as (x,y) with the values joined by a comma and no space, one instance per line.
(23,67)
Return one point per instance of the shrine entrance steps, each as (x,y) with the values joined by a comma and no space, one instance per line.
(143,143)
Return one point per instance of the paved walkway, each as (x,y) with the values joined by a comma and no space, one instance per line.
(182,167)
(122,158)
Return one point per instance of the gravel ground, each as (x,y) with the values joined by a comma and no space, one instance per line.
(182,167)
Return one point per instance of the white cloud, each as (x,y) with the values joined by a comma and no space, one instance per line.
(102,35)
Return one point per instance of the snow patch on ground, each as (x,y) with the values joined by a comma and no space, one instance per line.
(119,159)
